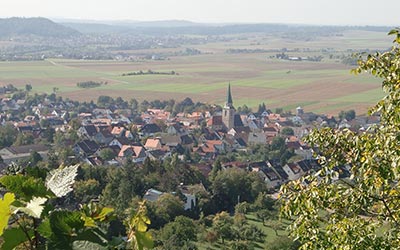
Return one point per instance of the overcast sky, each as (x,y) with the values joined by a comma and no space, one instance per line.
(341,12)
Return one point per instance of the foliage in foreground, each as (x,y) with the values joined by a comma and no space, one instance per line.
(32,217)
(363,211)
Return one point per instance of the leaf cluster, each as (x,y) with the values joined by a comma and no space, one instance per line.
(362,211)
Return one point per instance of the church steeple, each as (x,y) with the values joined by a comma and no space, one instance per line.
(228,113)
(229,102)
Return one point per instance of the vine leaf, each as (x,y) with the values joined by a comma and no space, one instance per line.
(13,237)
(60,180)
(25,187)
(138,236)
(5,210)
(34,208)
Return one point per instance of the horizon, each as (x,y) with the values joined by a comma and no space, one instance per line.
(116,22)
(305,12)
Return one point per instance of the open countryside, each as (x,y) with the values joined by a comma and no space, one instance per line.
(325,86)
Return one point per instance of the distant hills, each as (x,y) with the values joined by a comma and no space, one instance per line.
(68,28)
(43,27)
(173,27)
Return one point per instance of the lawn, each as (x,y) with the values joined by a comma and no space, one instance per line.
(270,233)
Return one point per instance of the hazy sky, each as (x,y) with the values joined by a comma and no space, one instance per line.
(342,12)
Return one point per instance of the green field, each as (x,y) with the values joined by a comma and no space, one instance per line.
(325,86)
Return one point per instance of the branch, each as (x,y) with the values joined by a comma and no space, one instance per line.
(25,232)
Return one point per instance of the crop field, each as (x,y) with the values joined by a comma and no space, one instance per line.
(325,86)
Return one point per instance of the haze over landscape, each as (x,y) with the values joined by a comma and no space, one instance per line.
(323,12)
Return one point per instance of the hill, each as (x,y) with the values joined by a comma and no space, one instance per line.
(15,26)
(95,28)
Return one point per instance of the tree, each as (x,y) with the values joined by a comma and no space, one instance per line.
(86,190)
(107,154)
(8,135)
(105,101)
(348,115)
(134,104)
(282,243)
(23,139)
(222,225)
(261,108)
(34,158)
(28,87)
(360,212)
(168,207)
(287,131)
(175,234)
(234,185)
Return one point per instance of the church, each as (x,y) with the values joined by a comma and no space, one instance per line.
(228,119)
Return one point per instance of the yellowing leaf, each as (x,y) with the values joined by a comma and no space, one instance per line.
(89,222)
(141,226)
(5,210)
(104,212)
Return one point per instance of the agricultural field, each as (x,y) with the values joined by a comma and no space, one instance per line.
(324,87)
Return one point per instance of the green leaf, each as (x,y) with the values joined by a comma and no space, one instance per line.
(61,228)
(13,237)
(393,32)
(5,210)
(45,229)
(93,235)
(60,180)
(34,208)
(25,187)
(144,240)
(65,222)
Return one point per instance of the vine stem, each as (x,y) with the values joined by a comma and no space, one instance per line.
(25,232)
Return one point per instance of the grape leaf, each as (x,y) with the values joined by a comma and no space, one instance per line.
(144,239)
(60,180)
(25,187)
(34,208)
(5,210)
(13,237)
(105,211)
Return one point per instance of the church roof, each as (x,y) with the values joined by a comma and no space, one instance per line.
(237,121)
(229,101)
(229,95)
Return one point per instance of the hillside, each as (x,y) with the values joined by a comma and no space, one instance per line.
(15,26)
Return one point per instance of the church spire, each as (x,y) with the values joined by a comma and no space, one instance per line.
(228,113)
(229,101)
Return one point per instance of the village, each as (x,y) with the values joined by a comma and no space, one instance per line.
(113,136)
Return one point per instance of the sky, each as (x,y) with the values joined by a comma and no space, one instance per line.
(320,12)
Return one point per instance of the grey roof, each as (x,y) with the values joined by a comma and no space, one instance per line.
(237,121)
(27,149)
(185,140)
(88,146)
(152,194)
(90,129)
(150,128)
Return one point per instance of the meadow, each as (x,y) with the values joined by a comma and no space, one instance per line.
(325,86)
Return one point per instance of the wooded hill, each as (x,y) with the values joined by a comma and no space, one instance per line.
(15,26)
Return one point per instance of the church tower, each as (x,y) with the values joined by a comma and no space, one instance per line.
(228,112)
